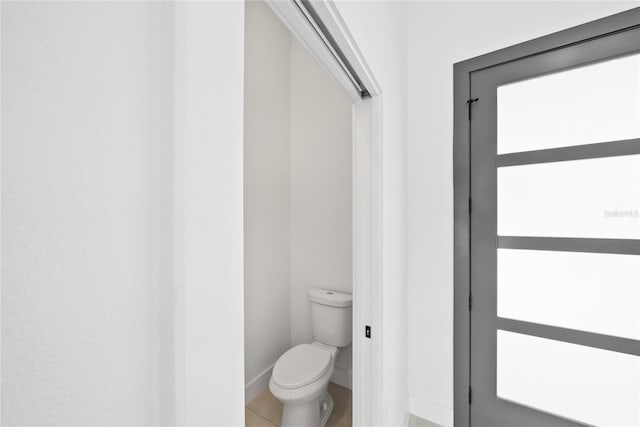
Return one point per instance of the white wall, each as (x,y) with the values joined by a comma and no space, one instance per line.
(440,34)
(122,175)
(380,30)
(209,84)
(267,202)
(86,221)
(321,143)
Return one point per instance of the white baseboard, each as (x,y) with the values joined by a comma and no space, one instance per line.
(256,385)
(342,377)
(407,420)
(431,410)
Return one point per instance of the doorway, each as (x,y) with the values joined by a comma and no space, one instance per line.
(297,208)
(547,187)
(353,186)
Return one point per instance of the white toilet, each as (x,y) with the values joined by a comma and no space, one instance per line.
(301,375)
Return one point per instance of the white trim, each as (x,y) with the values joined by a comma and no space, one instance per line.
(328,13)
(257,385)
(374,287)
(1,400)
(342,377)
(295,21)
(362,368)
(291,16)
(367,245)
(367,198)
(209,275)
(431,410)
(179,315)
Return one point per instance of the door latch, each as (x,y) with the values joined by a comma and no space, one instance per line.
(469,103)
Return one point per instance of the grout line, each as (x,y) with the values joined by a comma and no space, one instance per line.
(260,415)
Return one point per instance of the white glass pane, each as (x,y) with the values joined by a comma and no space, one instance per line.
(594,103)
(598,198)
(585,384)
(584,291)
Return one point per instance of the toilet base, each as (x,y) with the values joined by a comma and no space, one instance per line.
(326,407)
(310,414)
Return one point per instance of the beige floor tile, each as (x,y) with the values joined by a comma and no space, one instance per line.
(267,406)
(341,416)
(251,419)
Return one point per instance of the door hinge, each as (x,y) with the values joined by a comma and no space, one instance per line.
(470,302)
(469,205)
(469,103)
(367,331)
(470,395)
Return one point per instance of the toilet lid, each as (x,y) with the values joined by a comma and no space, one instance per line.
(301,365)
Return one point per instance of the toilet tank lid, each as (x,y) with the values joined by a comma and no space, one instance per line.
(330,298)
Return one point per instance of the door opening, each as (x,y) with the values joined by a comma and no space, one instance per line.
(319,35)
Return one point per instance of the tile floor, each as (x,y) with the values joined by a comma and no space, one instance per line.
(266,410)
(419,422)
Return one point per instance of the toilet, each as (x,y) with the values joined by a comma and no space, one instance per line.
(301,375)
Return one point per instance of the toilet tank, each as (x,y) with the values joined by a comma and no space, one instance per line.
(331,316)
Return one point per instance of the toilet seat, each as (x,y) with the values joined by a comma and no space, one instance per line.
(300,366)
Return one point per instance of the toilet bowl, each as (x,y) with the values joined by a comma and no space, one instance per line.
(301,375)
(299,380)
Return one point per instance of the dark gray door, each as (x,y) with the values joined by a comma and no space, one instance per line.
(555,237)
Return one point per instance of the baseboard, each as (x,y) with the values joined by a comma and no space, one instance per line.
(256,385)
(431,410)
(342,377)
(407,420)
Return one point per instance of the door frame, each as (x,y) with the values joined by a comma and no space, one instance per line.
(366,195)
(462,168)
